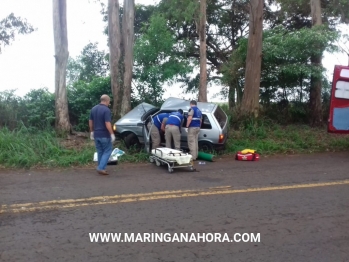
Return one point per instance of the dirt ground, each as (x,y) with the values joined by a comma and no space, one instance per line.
(77,140)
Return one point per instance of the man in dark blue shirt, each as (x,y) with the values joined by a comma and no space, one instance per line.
(159,124)
(102,132)
(173,129)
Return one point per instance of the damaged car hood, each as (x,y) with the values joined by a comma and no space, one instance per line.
(135,115)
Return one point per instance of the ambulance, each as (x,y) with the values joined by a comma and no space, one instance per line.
(338,121)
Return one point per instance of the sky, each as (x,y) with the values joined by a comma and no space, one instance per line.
(28,63)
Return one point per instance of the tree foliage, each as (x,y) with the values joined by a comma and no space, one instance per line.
(89,64)
(286,66)
(36,109)
(39,108)
(10,108)
(157,60)
(12,25)
(226,24)
(296,13)
(82,96)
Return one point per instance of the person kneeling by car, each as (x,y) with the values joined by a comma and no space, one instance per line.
(155,130)
(173,129)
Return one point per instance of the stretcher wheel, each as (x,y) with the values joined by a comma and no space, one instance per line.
(170,169)
(157,162)
(151,160)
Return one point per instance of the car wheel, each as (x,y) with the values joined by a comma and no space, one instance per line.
(205,146)
(131,140)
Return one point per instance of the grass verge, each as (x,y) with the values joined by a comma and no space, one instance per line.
(32,148)
(28,148)
(268,138)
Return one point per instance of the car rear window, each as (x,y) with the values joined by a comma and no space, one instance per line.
(220,116)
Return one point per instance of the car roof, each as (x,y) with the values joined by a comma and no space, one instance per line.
(174,103)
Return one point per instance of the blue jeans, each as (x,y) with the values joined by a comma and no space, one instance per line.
(104,149)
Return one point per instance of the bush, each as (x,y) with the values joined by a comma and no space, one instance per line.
(82,96)
(36,109)
(40,108)
(11,109)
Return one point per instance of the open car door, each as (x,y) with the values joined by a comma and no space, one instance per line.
(338,121)
(148,118)
(146,134)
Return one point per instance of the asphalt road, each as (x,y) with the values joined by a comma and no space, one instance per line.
(299,205)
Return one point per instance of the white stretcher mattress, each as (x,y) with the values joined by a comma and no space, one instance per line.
(172,155)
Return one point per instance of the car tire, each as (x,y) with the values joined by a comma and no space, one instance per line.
(131,140)
(205,146)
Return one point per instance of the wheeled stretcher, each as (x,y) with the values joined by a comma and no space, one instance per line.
(172,158)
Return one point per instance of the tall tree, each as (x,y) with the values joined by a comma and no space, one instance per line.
(11,25)
(128,42)
(114,36)
(250,99)
(202,38)
(226,23)
(316,60)
(61,59)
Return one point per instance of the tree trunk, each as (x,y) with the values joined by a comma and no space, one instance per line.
(61,59)
(114,54)
(202,39)
(231,96)
(128,42)
(316,82)
(239,93)
(250,99)
(301,89)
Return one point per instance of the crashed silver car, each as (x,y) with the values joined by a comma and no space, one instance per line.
(132,128)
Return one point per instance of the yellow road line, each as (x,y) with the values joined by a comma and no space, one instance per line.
(127,198)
